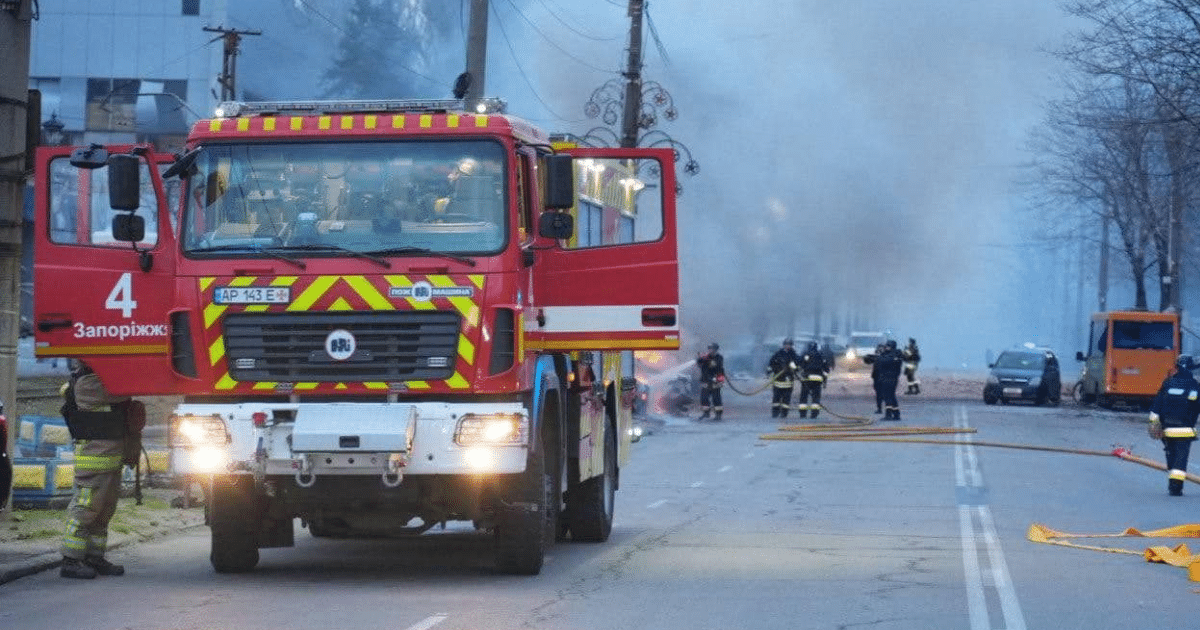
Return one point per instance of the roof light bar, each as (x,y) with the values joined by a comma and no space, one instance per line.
(232,109)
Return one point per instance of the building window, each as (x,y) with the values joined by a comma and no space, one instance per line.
(191,7)
(112,104)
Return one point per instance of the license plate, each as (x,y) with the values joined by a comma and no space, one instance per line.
(1012,391)
(252,295)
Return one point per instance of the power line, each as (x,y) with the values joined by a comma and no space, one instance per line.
(517,61)
(572,28)
(552,42)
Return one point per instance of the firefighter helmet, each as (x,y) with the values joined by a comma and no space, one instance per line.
(714,346)
(1185,362)
(891,344)
(787,341)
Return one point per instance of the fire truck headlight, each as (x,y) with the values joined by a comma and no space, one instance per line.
(188,431)
(208,459)
(503,429)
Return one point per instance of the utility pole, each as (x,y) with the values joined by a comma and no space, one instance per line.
(476,74)
(14,103)
(633,77)
(231,38)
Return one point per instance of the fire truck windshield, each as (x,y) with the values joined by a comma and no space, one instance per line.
(321,199)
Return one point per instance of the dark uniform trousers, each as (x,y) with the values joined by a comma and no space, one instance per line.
(810,390)
(1177,450)
(781,397)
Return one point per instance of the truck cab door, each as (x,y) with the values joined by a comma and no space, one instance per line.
(97,298)
(614,284)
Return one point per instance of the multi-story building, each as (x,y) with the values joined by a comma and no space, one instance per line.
(125,70)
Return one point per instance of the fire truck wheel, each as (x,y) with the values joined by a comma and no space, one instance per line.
(522,520)
(232,519)
(591,502)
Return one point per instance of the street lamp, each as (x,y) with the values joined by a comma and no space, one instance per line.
(52,130)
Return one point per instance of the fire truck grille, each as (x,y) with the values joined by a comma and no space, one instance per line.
(342,347)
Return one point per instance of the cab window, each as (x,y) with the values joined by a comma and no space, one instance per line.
(79,210)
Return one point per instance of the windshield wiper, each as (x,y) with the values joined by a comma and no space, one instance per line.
(257,249)
(421,251)
(322,247)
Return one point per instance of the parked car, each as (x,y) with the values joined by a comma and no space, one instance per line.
(5,463)
(1028,373)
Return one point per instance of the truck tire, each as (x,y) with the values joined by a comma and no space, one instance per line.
(232,519)
(524,519)
(590,503)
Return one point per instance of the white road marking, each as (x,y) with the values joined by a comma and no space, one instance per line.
(656,504)
(697,484)
(429,622)
(725,469)
(968,476)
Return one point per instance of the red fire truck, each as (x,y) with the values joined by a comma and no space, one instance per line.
(381,317)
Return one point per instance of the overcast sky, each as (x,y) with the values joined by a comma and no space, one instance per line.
(862,154)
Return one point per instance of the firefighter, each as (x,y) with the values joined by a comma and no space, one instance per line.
(712,377)
(886,374)
(875,383)
(106,431)
(442,206)
(813,369)
(912,358)
(782,367)
(1173,420)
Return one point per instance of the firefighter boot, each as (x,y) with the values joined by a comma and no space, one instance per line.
(703,416)
(72,568)
(774,412)
(103,567)
(1175,487)
(718,415)
(813,412)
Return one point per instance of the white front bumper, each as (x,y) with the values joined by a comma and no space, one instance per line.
(354,439)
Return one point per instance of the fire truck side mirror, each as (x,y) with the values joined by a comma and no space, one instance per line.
(560,182)
(557,225)
(128,227)
(89,157)
(124,186)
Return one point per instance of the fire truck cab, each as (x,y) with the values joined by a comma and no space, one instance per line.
(380,316)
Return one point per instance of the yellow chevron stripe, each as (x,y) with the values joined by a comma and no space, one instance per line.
(296,123)
(426,121)
(340,386)
(324,122)
(269,123)
(214,124)
(477,280)
(457,381)
(225,382)
(481,121)
(206,282)
(216,350)
(466,349)
(417,384)
(347,122)
(370,120)
(212,313)
(300,386)
(340,304)
(309,296)
(264,385)
(452,121)
(257,308)
(243,124)
(369,293)
(398,121)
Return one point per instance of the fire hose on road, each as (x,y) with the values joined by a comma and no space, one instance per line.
(860,431)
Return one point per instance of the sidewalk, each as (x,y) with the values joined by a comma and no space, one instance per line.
(19,558)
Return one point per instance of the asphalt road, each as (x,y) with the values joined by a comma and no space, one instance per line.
(718,528)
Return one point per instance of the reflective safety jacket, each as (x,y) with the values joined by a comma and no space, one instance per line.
(1177,404)
(813,366)
(782,366)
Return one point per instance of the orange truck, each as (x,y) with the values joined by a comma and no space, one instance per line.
(1129,355)
(381,316)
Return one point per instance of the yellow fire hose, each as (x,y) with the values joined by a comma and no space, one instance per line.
(858,431)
